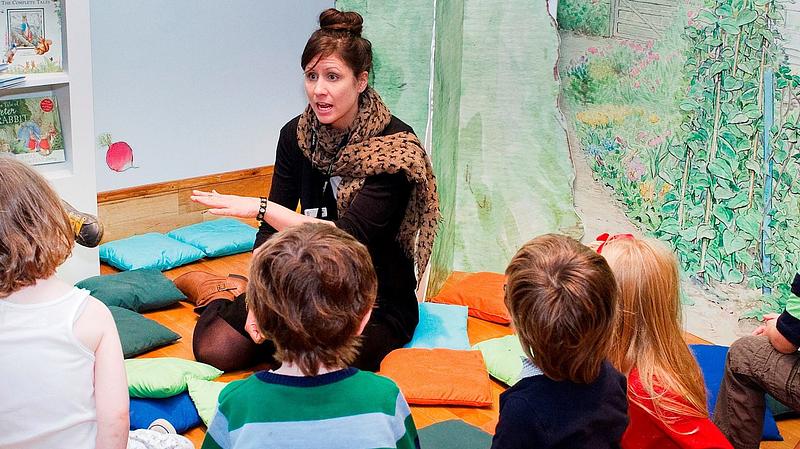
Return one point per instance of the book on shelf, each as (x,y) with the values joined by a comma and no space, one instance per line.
(11,80)
(31,35)
(30,128)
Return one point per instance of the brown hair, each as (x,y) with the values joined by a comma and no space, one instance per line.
(35,233)
(647,332)
(310,288)
(561,296)
(339,33)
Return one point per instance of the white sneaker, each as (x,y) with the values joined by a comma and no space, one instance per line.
(162,426)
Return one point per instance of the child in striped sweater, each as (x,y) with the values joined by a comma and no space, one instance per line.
(311,291)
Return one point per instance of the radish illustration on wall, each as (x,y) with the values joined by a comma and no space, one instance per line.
(119,155)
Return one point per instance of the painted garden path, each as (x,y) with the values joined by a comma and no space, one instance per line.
(713,314)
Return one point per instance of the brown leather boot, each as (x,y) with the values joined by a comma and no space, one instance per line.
(88,229)
(201,288)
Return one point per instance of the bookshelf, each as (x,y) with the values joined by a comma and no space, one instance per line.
(73,179)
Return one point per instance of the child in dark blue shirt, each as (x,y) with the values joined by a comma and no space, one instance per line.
(561,296)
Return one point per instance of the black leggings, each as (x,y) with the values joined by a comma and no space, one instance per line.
(220,339)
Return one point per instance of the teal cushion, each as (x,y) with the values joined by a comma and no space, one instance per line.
(137,290)
(503,357)
(779,410)
(441,326)
(139,334)
(218,238)
(454,434)
(152,250)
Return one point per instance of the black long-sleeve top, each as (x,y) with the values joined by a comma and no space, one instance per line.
(538,412)
(373,218)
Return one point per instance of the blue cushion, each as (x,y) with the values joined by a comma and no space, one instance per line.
(441,326)
(218,238)
(152,250)
(711,359)
(178,410)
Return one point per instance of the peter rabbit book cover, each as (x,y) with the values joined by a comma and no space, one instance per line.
(30,129)
(31,35)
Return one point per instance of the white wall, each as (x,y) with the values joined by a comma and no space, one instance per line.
(196,86)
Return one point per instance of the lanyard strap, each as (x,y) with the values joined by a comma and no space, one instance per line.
(335,158)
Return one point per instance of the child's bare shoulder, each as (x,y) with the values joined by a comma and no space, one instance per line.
(94,322)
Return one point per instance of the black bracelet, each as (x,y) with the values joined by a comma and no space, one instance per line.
(262,209)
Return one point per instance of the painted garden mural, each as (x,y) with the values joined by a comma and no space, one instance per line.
(675,119)
(694,127)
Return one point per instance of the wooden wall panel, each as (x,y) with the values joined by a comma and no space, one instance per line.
(165,206)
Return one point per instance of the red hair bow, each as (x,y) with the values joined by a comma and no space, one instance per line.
(605,238)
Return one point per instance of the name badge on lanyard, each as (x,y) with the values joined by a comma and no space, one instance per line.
(316,212)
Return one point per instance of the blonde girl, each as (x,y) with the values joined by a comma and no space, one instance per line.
(666,393)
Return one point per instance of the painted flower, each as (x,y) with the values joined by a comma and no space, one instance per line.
(635,169)
(593,50)
(594,149)
(653,118)
(646,190)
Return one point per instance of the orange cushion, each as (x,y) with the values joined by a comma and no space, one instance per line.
(481,292)
(439,376)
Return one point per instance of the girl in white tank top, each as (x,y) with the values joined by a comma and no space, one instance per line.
(63,378)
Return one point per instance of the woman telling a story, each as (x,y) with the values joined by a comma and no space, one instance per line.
(349,162)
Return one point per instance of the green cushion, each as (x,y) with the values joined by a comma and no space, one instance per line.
(137,290)
(454,434)
(204,394)
(503,357)
(164,376)
(139,334)
(779,410)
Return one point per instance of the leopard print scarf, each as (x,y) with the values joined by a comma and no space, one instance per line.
(368,154)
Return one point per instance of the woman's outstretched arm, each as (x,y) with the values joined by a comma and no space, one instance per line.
(279,217)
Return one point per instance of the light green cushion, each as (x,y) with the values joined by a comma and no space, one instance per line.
(204,394)
(137,290)
(503,357)
(163,377)
(139,334)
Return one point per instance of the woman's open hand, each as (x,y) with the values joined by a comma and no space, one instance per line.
(229,205)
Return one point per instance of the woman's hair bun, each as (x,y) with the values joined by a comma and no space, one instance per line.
(334,20)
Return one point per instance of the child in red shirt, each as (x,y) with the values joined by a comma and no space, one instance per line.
(666,393)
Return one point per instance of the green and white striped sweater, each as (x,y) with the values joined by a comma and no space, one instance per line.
(348,409)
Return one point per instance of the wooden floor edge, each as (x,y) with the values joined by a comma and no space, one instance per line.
(181,184)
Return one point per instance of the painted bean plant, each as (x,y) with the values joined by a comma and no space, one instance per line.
(720,215)
(676,128)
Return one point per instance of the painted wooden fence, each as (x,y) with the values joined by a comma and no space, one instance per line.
(791,34)
(642,20)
